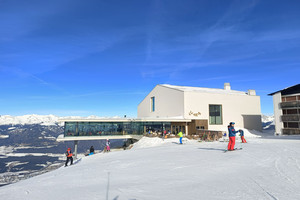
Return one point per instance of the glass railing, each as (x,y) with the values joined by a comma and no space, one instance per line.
(291,131)
(292,104)
(290,118)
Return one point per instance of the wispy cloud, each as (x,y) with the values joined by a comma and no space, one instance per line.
(25,75)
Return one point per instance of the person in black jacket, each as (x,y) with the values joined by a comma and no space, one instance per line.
(92,150)
(69,157)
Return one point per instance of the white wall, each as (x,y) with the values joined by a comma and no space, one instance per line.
(168,103)
(236,108)
(277,113)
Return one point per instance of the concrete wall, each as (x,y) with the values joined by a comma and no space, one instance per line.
(168,103)
(277,113)
(237,108)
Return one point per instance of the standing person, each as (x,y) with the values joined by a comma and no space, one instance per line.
(242,136)
(69,157)
(164,134)
(92,150)
(232,132)
(180,135)
(107,145)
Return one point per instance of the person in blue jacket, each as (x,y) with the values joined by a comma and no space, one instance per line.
(232,133)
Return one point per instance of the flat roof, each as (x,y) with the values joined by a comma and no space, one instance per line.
(62,138)
(126,120)
(203,90)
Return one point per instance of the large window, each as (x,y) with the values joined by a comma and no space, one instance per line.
(152,104)
(215,114)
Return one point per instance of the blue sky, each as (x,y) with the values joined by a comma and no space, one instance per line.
(71,57)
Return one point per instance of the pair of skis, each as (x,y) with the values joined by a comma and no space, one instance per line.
(226,150)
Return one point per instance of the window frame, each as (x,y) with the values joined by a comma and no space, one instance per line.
(221,114)
(152,104)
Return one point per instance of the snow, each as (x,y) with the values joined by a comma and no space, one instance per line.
(203,90)
(267,118)
(6,149)
(46,120)
(266,168)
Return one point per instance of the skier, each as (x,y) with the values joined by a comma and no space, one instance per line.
(107,145)
(92,150)
(69,157)
(164,134)
(242,136)
(232,133)
(180,135)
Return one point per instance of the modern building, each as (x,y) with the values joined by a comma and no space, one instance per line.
(207,108)
(287,110)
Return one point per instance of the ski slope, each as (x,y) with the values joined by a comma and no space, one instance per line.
(266,168)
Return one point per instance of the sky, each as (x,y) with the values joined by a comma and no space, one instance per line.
(81,58)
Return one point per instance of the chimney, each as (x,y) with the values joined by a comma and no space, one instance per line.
(252,92)
(227,86)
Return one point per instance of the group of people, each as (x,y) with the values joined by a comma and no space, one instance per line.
(231,130)
(232,133)
(69,153)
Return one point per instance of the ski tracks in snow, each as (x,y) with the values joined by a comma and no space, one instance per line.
(268,194)
(281,172)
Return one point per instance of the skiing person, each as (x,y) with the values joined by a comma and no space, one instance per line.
(107,145)
(92,150)
(232,132)
(180,135)
(242,136)
(69,157)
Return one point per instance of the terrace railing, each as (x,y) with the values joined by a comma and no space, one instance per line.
(290,118)
(291,104)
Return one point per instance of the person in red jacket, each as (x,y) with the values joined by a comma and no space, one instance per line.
(69,157)
(232,132)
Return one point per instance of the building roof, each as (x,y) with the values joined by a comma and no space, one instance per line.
(289,90)
(203,90)
(110,120)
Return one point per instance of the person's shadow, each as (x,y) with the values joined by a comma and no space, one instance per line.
(212,149)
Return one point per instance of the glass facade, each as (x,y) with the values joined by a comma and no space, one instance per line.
(113,128)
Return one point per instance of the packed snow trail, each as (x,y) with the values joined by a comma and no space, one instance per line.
(264,169)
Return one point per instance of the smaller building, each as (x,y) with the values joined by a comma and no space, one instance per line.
(287,110)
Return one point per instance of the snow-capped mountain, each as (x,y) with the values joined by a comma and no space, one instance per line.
(45,120)
(267,118)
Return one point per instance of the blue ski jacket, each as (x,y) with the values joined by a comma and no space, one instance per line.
(241,133)
(232,131)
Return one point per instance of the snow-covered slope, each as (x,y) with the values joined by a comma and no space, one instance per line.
(264,169)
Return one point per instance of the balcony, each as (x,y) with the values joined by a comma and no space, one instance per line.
(290,118)
(291,104)
(290,131)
